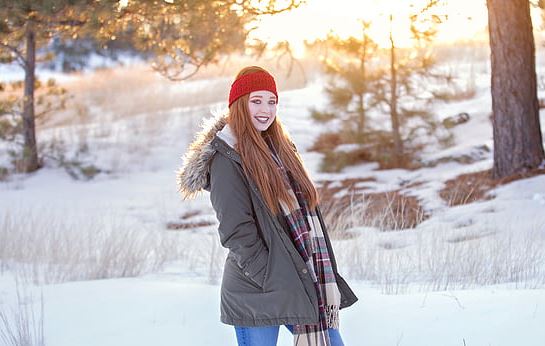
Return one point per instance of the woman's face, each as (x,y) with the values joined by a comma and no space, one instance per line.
(262,107)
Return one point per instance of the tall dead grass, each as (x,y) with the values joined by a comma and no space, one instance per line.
(123,92)
(439,257)
(23,324)
(386,211)
(43,247)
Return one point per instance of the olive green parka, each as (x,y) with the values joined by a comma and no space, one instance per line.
(265,281)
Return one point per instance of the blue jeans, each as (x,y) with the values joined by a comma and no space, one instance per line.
(268,335)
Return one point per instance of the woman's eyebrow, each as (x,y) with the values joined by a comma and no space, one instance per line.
(260,97)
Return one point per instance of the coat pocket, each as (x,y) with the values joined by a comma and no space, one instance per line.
(256,269)
(253,273)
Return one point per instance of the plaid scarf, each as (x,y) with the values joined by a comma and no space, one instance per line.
(307,234)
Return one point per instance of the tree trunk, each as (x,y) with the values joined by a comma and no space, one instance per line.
(398,144)
(30,153)
(517,136)
(361,118)
(361,95)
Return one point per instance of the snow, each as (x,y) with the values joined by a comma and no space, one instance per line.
(13,72)
(488,316)
(172,310)
(179,304)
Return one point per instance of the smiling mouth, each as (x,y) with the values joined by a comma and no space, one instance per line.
(262,119)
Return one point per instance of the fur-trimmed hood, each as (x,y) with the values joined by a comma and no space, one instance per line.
(193,176)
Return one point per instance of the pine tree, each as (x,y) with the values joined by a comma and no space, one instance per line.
(183,35)
(367,80)
(518,143)
(405,73)
(24,27)
(351,81)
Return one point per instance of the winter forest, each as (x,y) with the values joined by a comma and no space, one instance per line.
(420,122)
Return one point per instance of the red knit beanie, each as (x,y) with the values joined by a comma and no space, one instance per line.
(252,82)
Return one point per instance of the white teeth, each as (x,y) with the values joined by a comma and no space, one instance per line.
(262,119)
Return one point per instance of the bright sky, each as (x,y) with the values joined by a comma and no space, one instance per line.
(466,19)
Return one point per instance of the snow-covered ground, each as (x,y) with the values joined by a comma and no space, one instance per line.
(171,310)
(178,304)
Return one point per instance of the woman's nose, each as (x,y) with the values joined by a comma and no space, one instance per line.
(265,108)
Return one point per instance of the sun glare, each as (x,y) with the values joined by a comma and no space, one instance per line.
(465,19)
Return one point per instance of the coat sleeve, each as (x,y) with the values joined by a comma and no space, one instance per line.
(230,197)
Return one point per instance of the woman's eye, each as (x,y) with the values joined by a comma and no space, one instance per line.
(272,102)
(256,102)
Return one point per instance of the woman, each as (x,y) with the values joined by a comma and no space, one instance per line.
(280,268)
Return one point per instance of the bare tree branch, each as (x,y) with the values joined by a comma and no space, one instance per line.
(285,50)
(250,7)
(19,56)
(175,77)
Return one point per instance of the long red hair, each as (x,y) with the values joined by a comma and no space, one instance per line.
(256,158)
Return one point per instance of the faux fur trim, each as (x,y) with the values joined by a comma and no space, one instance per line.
(193,176)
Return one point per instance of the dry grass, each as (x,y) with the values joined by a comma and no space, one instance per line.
(335,161)
(188,225)
(187,221)
(432,256)
(389,210)
(24,324)
(46,246)
(326,141)
(437,257)
(128,91)
(467,188)
(49,247)
(456,94)
(125,92)
(471,187)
